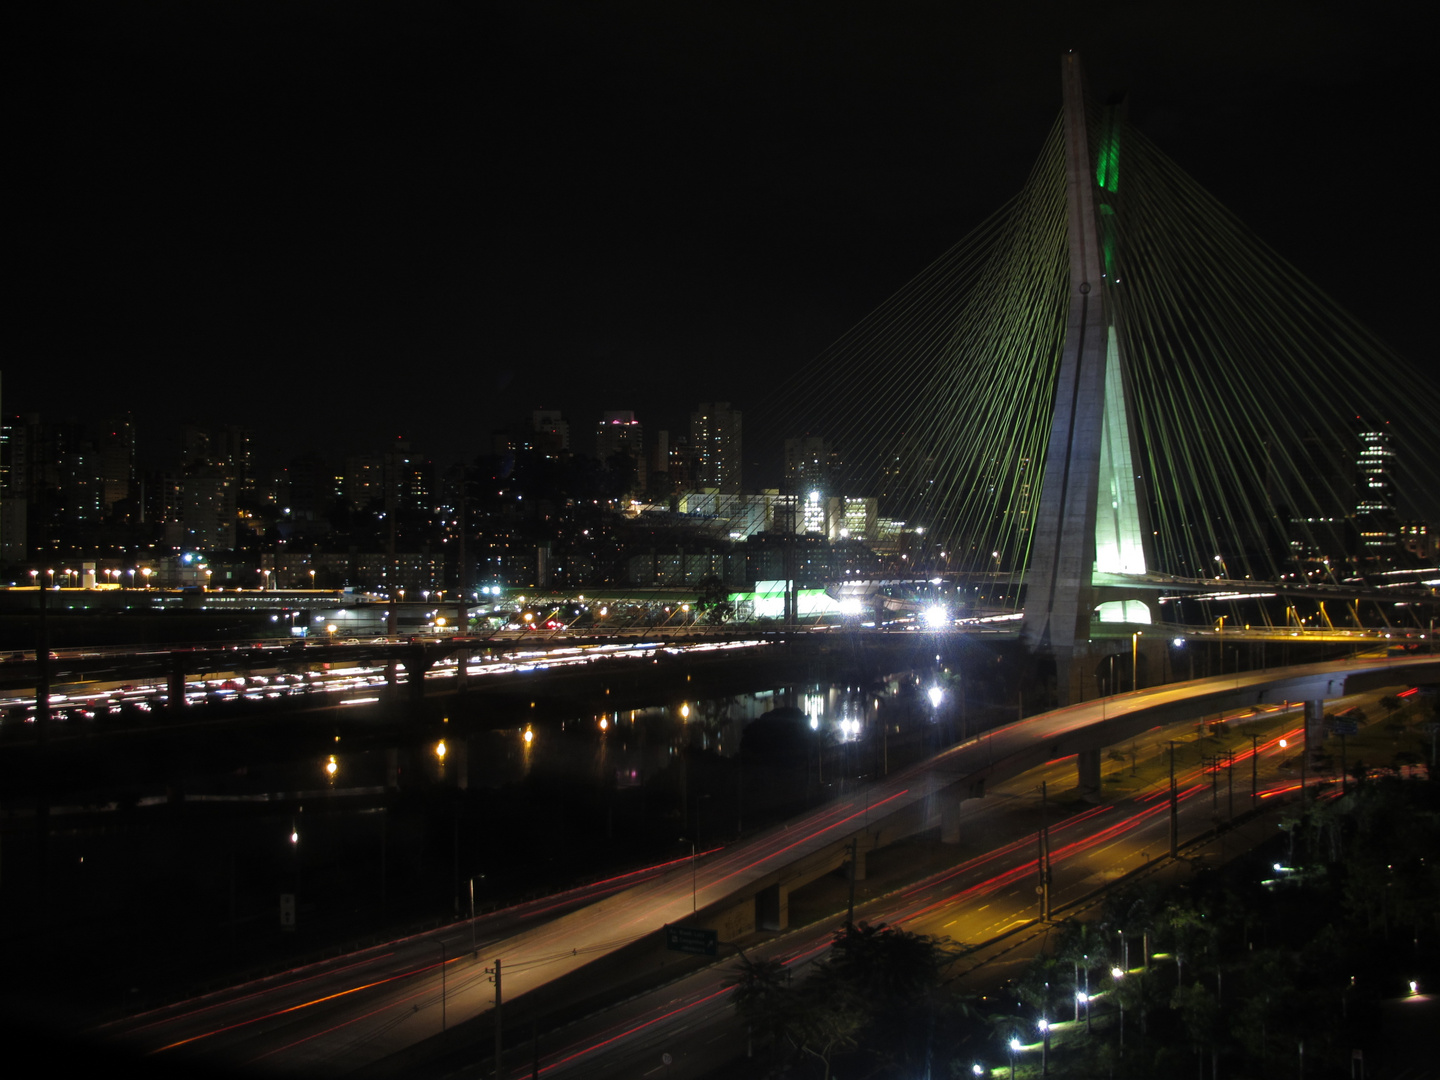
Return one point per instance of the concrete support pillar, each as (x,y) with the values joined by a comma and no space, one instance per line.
(772,908)
(462,669)
(415,678)
(1087,770)
(1314,728)
(175,682)
(950,803)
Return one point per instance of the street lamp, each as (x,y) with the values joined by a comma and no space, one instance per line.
(147,572)
(1117,975)
(1135,660)
(207,579)
(312,579)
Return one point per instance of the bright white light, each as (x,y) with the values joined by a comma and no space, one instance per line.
(936,616)
(1014,1044)
(1178,642)
(935,694)
(851,606)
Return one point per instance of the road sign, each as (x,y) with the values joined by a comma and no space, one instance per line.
(1342,726)
(692,939)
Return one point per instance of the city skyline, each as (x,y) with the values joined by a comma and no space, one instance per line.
(427,223)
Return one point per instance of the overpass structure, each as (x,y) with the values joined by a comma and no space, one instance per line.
(736,890)
(928,794)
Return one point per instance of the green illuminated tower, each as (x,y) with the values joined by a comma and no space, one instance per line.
(1091,516)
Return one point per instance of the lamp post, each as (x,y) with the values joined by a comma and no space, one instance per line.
(442,984)
(1135,660)
(147,572)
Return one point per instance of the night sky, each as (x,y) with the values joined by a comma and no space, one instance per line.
(342,222)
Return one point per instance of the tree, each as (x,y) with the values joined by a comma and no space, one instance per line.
(714,600)
(880,988)
(760,997)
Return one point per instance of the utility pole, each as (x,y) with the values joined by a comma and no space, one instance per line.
(1044,856)
(1174,808)
(499,1046)
(1254,769)
(854,852)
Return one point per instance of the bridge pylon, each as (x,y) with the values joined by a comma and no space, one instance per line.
(1092,514)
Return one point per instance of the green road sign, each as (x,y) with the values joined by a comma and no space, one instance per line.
(692,939)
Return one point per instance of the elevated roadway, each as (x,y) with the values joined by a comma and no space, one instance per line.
(734,890)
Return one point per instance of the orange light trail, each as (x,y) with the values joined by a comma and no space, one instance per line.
(297,1008)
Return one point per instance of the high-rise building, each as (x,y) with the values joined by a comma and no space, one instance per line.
(552,432)
(1375,512)
(407,478)
(811,465)
(117,463)
(620,433)
(715,446)
(1311,484)
(207,509)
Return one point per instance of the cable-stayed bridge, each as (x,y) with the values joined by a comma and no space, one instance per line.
(1112,397)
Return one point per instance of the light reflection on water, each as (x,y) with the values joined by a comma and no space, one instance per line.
(621,747)
(630,745)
